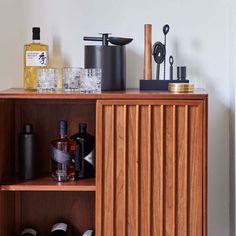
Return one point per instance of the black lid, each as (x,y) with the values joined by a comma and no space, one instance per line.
(36,33)
(63,128)
(27,128)
(82,127)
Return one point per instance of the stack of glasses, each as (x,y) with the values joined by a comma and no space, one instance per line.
(74,79)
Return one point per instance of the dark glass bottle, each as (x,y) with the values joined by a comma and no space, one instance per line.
(84,155)
(29,232)
(63,150)
(61,229)
(27,152)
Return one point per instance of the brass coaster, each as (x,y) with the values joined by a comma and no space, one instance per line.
(181,88)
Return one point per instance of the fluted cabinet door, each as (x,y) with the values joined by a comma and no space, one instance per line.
(150,168)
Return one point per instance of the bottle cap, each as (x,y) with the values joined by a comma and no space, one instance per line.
(63,127)
(82,127)
(36,33)
(27,128)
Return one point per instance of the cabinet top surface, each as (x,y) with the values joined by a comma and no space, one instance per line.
(127,94)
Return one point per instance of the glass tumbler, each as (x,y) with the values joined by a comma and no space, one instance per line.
(47,79)
(70,78)
(90,81)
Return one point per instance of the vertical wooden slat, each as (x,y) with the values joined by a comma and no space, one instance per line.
(137,143)
(181,170)
(205,163)
(195,171)
(144,149)
(99,169)
(120,174)
(108,159)
(169,175)
(132,167)
(157,170)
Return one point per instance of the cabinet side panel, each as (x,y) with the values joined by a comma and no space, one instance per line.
(7,212)
(195,171)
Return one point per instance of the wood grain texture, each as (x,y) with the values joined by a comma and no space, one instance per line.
(147,70)
(48,184)
(127,94)
(156,185)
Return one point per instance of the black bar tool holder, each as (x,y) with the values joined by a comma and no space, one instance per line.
(159,55)
(110,58)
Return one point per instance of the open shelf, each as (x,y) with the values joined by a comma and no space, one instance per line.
(48,184)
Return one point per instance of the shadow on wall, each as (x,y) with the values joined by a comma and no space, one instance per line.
(134,68)
(218,136)
(57,60)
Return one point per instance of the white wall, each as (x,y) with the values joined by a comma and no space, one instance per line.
(201,37)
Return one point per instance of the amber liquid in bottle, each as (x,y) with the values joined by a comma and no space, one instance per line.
(35,56)
(63,150)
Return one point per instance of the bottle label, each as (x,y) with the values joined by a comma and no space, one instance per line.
(59,226)
(29,231)
(60,156)
(36,58)
(90,158)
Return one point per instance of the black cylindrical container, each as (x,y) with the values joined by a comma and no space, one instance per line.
(112,61)
(27,152)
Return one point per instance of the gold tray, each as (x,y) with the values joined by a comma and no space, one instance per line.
(180,88)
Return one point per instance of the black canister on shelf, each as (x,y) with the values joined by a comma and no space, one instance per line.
(84,155)
(111,59)
(27,152)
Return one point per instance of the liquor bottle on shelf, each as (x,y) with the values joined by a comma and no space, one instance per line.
(35,56)
(84,155)
(89,233)
(61,229)
(27,152)
(29,232)
(63,150)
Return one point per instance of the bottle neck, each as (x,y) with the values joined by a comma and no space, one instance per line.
(36,41)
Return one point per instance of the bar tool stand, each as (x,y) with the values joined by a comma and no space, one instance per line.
(159,55)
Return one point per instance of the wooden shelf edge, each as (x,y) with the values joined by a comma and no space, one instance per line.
(47,184)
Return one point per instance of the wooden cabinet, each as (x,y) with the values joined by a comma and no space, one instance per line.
(151,164)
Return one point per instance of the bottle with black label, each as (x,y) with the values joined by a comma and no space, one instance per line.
(29,232)
(61,229)
(27,152)
(62,151)
(84,155)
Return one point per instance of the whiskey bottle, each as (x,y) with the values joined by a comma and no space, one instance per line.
(61,229)
(84,155)
(29,232)
(35,56)
(63,150)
